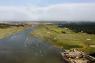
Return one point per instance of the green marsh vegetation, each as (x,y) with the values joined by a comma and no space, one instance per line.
(7,30)
(65,37)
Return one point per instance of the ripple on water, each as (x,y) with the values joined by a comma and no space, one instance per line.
(23,48)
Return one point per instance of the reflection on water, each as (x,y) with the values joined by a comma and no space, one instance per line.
(23,48)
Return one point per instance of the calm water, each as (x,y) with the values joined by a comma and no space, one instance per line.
(24,48)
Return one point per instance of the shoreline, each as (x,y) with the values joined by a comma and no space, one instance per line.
(9,29)
(65,37)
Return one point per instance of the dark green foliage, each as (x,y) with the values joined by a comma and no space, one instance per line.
(86,27)
(4,26)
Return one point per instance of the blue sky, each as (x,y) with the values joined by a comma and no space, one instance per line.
(40,2)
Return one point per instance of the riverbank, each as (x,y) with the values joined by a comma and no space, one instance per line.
(76,56)
(9,30)
(65,37)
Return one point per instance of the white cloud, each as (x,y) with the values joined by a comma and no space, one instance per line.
(67,12)
(17,13)
(72,12)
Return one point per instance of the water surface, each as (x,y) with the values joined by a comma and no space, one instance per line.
(24,48)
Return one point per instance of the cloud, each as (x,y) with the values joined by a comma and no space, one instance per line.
(71,12)
(59,12)
(17,13)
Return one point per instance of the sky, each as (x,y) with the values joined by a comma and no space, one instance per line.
(40,2)
(47,10)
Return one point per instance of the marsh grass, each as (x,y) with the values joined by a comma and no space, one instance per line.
(9,30)
(65,37)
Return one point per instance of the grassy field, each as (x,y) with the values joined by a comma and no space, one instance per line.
(66,38)
(6,31)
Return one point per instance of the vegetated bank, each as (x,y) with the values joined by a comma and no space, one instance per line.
(9,29)
(65,37)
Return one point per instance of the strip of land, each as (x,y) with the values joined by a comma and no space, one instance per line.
(65,37)
(7,30)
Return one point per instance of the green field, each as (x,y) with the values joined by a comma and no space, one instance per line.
(65,37)
(7,31)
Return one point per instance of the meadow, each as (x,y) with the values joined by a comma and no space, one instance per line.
(7,30)
(65,37)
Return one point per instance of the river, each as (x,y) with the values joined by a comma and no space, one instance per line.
(21,47)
